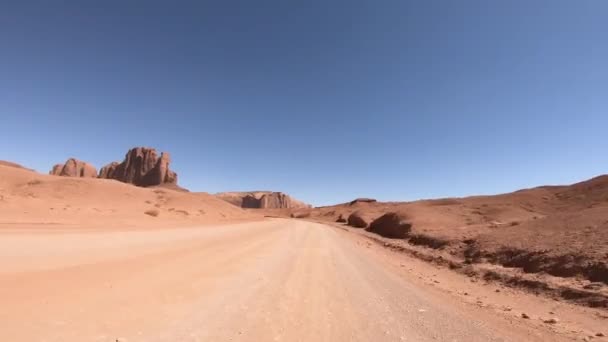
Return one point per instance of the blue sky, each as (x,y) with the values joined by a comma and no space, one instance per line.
(325,100)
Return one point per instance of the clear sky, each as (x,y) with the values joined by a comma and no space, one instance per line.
(325,100)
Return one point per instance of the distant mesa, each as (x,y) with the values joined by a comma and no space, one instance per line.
(74,168)
(362,200)
(261,200)
(142,166)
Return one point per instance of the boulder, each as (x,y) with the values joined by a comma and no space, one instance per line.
(391,225)
(341,219)
(358,219)
(74,168)
(142,167)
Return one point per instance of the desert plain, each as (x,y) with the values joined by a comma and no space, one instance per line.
(91,258)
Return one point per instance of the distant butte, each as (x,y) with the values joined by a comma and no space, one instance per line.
(142,166)
(262,200)
(74,168)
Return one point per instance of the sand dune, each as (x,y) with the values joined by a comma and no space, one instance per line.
(30,198)
(543,235)
(97,259)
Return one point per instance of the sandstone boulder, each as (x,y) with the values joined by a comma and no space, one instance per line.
(391,225)
(358,219)
(142,167)
(74,168)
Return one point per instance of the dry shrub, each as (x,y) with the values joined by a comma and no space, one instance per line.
(152,212)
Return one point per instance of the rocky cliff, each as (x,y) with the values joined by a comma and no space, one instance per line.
(142,166)
(262,200)
(74,168)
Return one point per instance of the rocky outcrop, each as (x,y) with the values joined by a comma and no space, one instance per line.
(107,172)
(262,200)
(391,225)
(276,200)
(74,168)
(142,167)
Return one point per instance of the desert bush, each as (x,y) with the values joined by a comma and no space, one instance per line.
(152,212)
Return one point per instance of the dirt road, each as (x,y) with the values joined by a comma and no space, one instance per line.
(276,280)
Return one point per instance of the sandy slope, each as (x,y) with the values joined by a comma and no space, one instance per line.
(278,280)
(28,198)
(560,231)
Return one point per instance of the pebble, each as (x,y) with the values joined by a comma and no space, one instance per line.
(599,334)
(524,315)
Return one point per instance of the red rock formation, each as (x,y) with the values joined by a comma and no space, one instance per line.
(262,200)
(74,168)
(268,200)
(108,171)
(275,200)
(142,167)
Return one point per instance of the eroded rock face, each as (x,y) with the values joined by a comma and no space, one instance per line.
(74,168)
(262,200)
(275,200)
(108,171)
(391,225)
(272,200)
(142,167)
